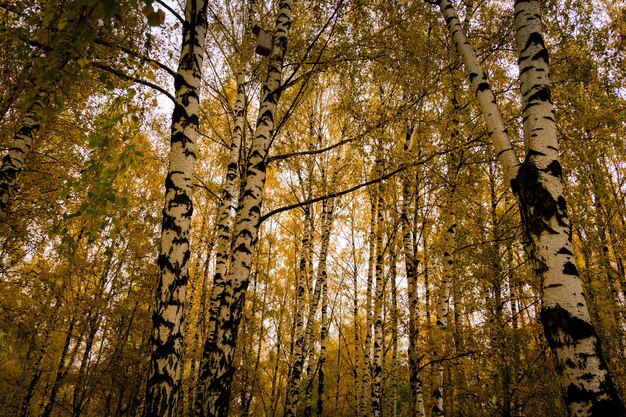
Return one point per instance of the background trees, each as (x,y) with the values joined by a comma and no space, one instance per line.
(376,151)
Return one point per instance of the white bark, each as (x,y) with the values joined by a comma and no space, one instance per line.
(217,363)
(164,375)
(585,382)
(298,353)
(480,86)
(538,185)
(377,368)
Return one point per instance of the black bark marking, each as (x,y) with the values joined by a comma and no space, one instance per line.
(554,168)
(542,94)
(570,269)
(558,322)
(483,86)
(565,251)
(536,203)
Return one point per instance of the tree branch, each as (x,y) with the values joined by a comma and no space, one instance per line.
(332,195)
(127,77)
(138,55)
(447,358)
(302,153)
(351,189)
(172,11)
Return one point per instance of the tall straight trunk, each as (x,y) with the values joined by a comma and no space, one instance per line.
(416,396)
(78,400)
(357,370)
(443,308)
(538,185)
(366,384)
(377,369)
(297,354)
(165,370)
(393,397)
(327,222)
(217,364)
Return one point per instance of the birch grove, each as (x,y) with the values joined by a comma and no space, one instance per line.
(321,208)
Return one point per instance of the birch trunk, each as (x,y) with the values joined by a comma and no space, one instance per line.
(38,366)
(416,401)
(217,363)
(68,44)
(538,185)
(366,384)
(164,375)
(61,370)
(377,368)
(585,381)
(443,309)
(356,373)
(393,397)
(14,161)
(228,201)
(298,354)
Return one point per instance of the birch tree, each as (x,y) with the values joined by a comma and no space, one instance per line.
(538,185)
(217,362)
(164,377)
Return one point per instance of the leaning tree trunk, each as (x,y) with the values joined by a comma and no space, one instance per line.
(69,45)
(219,351)
(164,375)
(538,185)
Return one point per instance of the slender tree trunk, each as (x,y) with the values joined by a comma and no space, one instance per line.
(377,368)
(327,221)
(165,371)
(217,364)
(38,366)
(393,397)
(61,371)
(227,203)
(366,384)
(78,400)
(538,185)
(358,367)
(416,397)
(443,309)
(297,354)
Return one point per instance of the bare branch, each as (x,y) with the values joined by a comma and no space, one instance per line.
(127,77)
(302,153)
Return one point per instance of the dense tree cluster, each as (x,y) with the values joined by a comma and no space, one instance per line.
(330,208)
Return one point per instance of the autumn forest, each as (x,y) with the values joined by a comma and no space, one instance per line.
(312,208)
